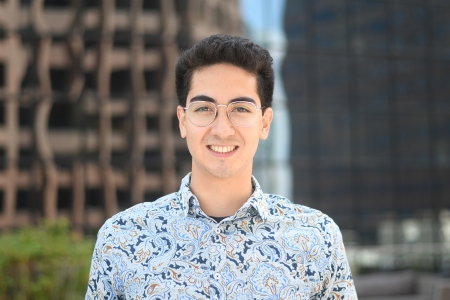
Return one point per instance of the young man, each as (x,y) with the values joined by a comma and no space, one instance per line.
(220,236)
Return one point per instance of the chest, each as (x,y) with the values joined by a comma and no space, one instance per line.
(242,260)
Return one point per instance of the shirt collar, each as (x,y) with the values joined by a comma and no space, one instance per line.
(190,204)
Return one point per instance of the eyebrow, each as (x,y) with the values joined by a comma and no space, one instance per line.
(212,100)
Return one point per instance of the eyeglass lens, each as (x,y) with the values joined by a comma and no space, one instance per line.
(202,113)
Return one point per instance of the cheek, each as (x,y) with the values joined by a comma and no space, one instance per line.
(252,140)
(193,140)
(190,144)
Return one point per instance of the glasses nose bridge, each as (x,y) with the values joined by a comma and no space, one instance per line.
(218,105)
(226,112)
(217,110)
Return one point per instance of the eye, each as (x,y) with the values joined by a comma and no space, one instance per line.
(202,108)
(241,108)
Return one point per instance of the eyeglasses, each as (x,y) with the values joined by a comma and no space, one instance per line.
(240,113)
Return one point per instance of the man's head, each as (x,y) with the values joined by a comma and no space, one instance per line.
(224,49)
(223,82)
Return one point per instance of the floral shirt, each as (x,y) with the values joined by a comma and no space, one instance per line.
(270,249)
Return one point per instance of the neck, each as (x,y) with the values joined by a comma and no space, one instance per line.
(221,197)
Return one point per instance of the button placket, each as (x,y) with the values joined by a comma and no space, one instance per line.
(217,264)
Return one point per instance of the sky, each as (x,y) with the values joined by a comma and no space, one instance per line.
(263,14)
(264,19)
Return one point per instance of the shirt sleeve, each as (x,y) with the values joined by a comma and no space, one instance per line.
(100,285)
(341,284)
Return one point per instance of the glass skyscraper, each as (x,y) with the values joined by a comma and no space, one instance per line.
(368,89)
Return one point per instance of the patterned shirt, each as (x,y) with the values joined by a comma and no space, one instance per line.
(170,249)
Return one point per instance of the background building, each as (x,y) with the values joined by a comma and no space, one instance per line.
(87,103)
(368,86)
(263,21)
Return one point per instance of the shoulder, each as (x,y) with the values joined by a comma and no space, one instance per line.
(137,216)
(300,216)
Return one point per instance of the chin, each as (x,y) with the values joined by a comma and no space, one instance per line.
(222,173)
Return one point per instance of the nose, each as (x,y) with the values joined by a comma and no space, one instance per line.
(222,126)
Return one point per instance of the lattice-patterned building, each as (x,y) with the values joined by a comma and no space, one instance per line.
(87,103)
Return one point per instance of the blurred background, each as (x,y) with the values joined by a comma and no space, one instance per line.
(88,123)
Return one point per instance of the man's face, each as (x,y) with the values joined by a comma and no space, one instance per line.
(223,149)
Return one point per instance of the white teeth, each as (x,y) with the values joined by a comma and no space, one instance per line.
(222,149)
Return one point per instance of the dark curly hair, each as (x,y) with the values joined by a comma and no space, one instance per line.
(231,50)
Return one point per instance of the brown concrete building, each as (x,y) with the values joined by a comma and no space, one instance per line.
(87,103)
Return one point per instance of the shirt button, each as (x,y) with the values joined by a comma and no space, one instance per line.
(217,230)
(217,276)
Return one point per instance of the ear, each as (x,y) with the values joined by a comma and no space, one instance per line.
(181,114)
(265,124)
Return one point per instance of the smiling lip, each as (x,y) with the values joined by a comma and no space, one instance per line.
(222,151)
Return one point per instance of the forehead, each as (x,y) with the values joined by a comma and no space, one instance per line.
(223,83)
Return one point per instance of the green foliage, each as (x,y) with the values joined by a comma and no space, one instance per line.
(46,262)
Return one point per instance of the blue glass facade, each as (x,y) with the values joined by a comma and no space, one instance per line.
(368,88)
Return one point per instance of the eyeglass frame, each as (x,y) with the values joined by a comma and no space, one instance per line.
(226,109)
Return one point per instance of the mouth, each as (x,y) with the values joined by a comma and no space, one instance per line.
(222,149)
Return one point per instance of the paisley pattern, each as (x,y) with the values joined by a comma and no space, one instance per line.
(270,249)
